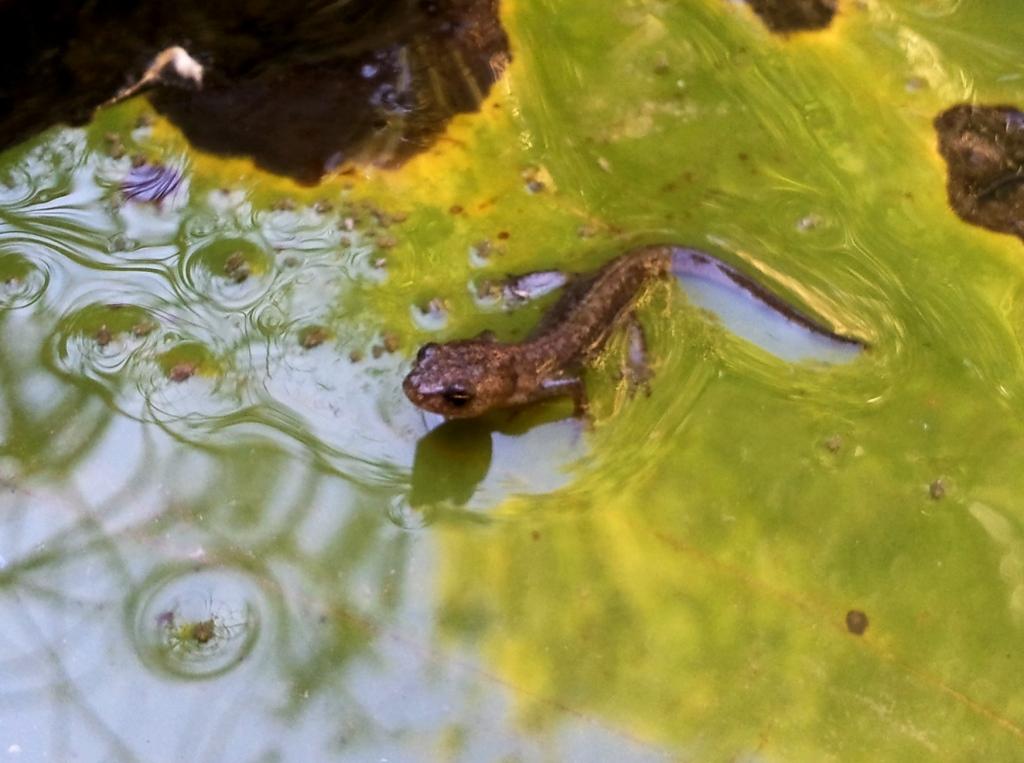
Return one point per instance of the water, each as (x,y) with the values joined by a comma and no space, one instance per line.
(224,540)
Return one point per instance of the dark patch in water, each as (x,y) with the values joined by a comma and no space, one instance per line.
(984,151)
(303,88)
(783,16)
(450,463)
(150,183)
(856,622)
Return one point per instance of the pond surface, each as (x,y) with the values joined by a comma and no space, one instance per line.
(227,535)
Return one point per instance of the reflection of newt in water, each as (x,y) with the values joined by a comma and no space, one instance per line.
(469,377)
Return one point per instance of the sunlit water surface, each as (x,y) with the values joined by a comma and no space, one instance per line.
(228,536)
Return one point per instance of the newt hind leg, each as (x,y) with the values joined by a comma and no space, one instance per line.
(635,367)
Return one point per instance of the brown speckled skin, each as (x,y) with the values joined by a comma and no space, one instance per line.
(470,377)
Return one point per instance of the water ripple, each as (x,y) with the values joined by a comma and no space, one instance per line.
(199,622)
(98,340)
(22,281)
(233,273)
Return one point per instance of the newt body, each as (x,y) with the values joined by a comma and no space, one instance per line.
(469,377)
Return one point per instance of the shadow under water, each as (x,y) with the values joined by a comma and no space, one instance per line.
(303,88)
(984,151)
(785,16)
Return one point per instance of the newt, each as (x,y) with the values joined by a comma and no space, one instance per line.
(466,378)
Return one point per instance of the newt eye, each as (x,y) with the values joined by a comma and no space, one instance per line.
(457,395)
(426,351)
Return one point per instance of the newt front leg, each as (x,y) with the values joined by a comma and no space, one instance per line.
(571,386)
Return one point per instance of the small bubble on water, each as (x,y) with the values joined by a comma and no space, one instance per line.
(22,281)
(809,222)
(915,84)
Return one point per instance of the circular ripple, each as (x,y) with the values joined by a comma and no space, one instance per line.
(98,340)
(401,513)
(22,282)
(233,273)
(270,320)
(197,623)
(188,382)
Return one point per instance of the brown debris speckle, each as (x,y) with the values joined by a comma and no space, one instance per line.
(182,371)
(313,336)
(236,268)
(856,622)
(481,249)
(203,632)
(103,336)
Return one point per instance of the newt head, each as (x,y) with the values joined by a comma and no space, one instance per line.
(462,379)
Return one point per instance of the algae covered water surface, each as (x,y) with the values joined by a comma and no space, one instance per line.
(228,536)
